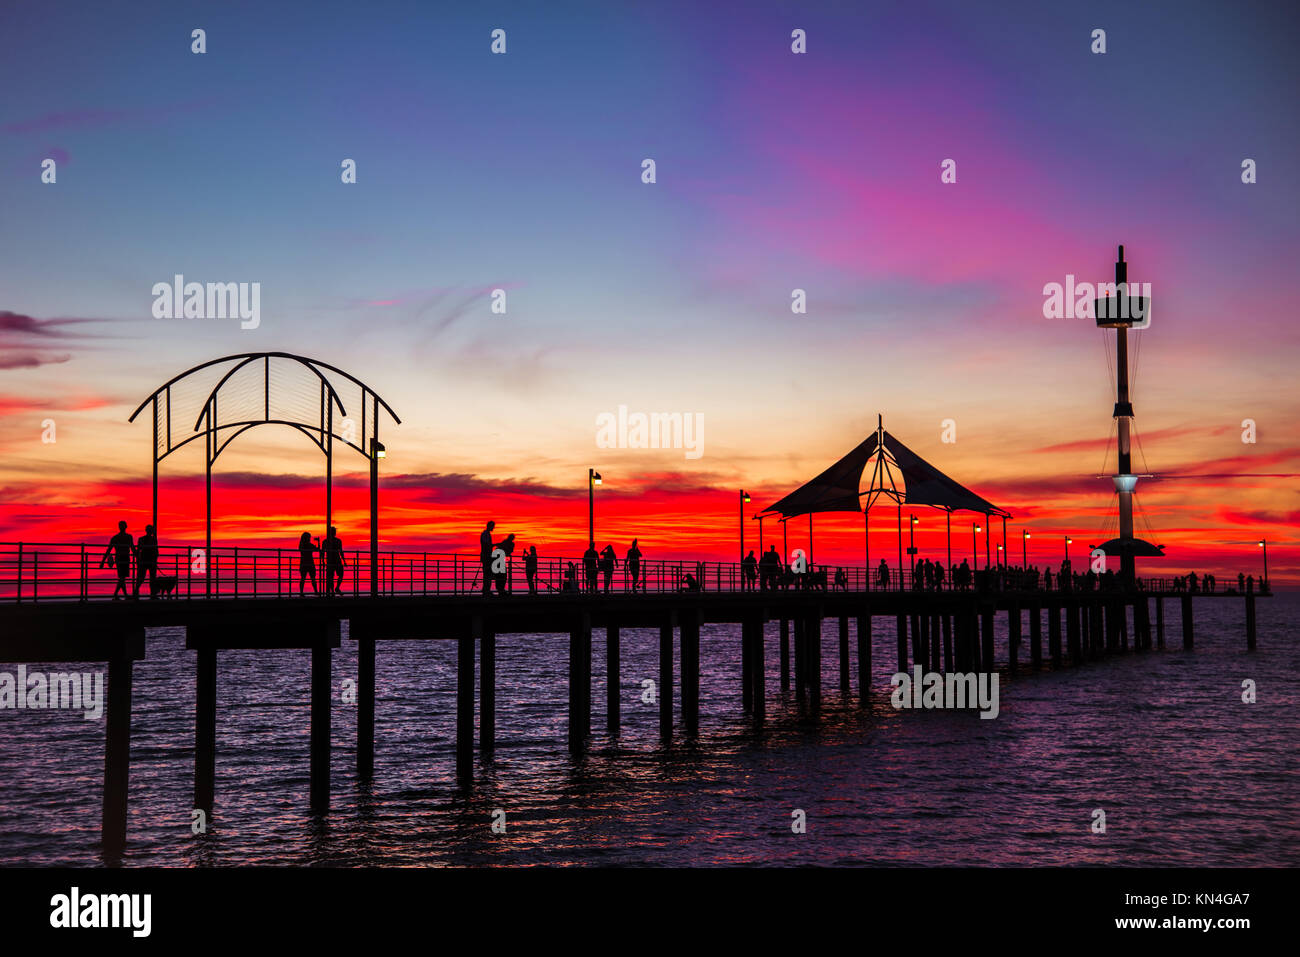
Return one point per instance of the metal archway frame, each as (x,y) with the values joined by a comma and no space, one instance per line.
(217,435)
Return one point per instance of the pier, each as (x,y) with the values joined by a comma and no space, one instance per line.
(54,609)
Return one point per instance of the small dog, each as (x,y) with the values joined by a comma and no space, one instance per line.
(165,585)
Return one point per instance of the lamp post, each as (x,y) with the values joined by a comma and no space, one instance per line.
(1001,557)
(593,479)
(377,452)
(911,544)
(986,545)
(974,549)
(1068,542)
(1264,584)
(744,500)
(1024,552)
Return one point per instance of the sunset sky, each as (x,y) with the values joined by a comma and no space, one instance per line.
(775,171)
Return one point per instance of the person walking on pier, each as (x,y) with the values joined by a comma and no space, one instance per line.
(749,568)
(530,568)
(333,549)
(882,574)
(118,554)
(633,563)
(938,576)
(591,565)
(146,561)
(485,555)
(307,562)
(608,560)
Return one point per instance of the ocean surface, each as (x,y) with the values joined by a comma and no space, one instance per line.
(1185,771)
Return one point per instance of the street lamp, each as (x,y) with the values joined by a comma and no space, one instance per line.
(911,544)
(1263,586)
(1000,555)
(1068,542)
(974,548)
(744,500)
(1024,537)
(377,452)
(593,479)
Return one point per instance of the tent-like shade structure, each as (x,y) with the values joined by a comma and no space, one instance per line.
(1137,547)
(838,489)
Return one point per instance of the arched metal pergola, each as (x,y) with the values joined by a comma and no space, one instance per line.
(266,388)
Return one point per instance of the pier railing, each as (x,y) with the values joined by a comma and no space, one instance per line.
(43,571)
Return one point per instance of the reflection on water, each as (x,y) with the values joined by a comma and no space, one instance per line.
(1161,741)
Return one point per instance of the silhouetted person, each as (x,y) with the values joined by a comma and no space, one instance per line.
(307,562)
(690,582)
(1250,584)
(530,568)
(118,554)
(938,577)
(770,567)
(882,574)
(749,567)
(608,560)
(507,546)
(485,555)
(146,561)
(591,566)
(333,549)
(841,579)
(571,578)
(1191,582)
(963,575)
(633,562)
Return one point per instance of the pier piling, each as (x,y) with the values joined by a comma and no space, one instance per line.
(579,681)
(1188,638)
(666,677)
(321,661)
(465,706)
(612,686)
(1250,622)
(1054,633)
(1073,640)
(1036,635)
(864,655)
(487,701)
(205,730)
(987,657)
(365,708)
(1013,636)
(117,755)
(690,629)
(844,655)
(785,655)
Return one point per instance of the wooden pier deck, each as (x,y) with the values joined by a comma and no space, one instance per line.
(939,630)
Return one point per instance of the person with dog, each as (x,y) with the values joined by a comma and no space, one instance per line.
(307,550)
(118,554)
(146,561)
